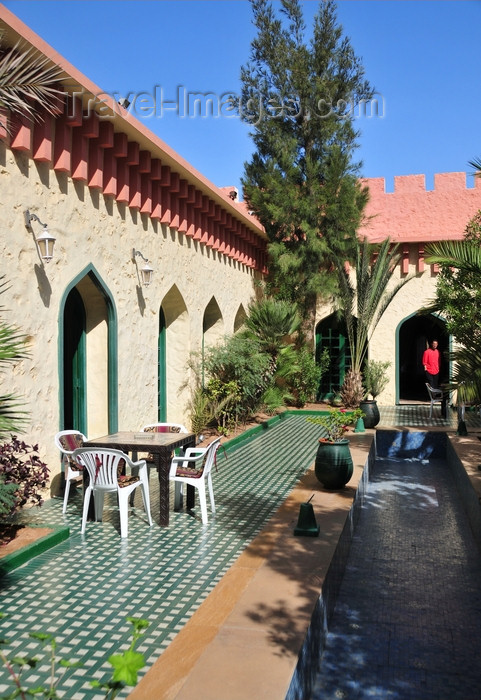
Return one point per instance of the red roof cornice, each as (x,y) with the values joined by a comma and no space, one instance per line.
(123,121)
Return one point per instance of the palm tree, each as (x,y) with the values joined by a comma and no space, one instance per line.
(12,349)
(463,256)
(362,303)
(27,80)
(271,321)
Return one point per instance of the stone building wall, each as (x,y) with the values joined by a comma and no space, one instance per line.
(412,217)
(106,188)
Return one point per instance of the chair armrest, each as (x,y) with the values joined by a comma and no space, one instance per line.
(191,454)
(138,463)
(193,459)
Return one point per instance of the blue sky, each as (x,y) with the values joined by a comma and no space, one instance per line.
(421,56)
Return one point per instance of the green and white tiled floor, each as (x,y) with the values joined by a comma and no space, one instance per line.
(82,590)
(417,416)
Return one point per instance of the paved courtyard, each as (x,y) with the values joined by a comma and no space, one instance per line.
(83,589)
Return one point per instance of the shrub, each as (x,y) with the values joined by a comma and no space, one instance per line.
(21,466)
(307,374)
(239,360)
(374,377)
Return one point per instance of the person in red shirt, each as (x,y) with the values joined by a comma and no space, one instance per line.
(431,364)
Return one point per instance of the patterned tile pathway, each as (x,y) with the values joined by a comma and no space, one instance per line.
(83,589)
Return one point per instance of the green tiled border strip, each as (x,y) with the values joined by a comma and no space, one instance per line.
(16,559)
(246,436)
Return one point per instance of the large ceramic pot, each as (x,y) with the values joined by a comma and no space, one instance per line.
(371,413)
(333,465)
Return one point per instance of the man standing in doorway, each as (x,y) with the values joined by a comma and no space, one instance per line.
(431,364)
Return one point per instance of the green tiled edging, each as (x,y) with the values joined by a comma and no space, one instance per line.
(236,442)
(21,556)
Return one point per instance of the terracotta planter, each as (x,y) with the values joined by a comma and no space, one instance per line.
(371,413)
(333,465)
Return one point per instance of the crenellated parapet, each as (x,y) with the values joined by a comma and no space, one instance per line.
(413,214)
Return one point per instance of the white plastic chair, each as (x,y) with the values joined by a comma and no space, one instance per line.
(435,396)
(104,467)
(194,468)
(67,441)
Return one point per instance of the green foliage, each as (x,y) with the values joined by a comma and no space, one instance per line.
(126,666)
(205,409)
(18,665)
(458,297)
(306,375)
(273,399)
(271,322)
(374,377)
(226,397)
(363,300)
(458,288)
(240,363)
(336,423)
(301,181)
(200,411)
(7,498)
(259,367)
(12,349)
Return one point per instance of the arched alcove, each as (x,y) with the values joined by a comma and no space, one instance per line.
(213,324)
(240,318)
(413,337)
(174,349)
(88,356)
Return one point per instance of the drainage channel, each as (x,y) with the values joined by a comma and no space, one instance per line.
(407,620)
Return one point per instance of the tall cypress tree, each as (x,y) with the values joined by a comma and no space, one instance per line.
(300,97)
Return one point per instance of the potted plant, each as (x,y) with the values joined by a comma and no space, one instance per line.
(374,380)
(333,465)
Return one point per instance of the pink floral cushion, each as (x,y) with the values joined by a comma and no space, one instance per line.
(70,442)
(190,472)
(126,480)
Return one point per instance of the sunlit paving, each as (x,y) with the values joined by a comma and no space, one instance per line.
(403,598)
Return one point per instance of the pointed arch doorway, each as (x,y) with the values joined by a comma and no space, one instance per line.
(74,362)
(88,357)
(413,337)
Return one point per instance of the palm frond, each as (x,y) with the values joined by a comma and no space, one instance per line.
(466,378)
(476,165)
(463,255)
(26,79)
(364,304)
(12,416)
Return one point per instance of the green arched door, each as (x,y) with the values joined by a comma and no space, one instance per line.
(331,335)
(74,384)
(162,371)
